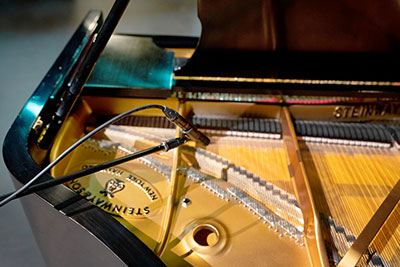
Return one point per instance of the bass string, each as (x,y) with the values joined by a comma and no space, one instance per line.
(368,175)
(387,241)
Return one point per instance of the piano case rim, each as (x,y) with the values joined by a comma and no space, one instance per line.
(22,166)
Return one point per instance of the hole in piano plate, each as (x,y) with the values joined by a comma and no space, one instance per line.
(205,235)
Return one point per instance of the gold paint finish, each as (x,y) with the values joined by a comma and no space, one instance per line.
(206,237)
(240,238)
(347,184)
(71,130)
(243,240)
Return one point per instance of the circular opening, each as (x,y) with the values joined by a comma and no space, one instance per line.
(205,235)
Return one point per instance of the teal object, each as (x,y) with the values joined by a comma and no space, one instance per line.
(53,82)
(131,62)
(15,148)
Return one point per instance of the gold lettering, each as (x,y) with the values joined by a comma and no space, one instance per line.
(361,112)
(337,113)
(369,111)
(354,112)
(346,111)
(386,110)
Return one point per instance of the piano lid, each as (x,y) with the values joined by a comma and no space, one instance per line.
(298,39)
(300,25)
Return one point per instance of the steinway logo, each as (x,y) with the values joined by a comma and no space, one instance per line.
(113,186)
(119,192)
(367,111)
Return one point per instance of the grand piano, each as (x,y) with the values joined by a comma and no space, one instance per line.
(300,100)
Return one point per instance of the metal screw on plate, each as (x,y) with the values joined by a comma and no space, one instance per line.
(186,202)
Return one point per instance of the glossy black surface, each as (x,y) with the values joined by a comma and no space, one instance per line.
(21,165)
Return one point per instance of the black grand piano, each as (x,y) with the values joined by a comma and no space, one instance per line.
(300,101)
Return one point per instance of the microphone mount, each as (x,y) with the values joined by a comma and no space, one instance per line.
(186,127)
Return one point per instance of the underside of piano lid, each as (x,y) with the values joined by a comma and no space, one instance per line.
(301,103)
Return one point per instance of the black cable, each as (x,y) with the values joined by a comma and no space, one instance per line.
(72,147)
(172,115)
(167,145)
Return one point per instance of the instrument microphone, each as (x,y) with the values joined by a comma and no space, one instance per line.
(186,127)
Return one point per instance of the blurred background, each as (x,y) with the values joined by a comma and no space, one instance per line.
(32,34)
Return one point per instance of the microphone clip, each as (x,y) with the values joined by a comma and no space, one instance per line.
(186,127)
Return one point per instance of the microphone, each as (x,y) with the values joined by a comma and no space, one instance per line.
(186,127)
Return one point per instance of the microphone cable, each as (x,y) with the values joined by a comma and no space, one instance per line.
(186,128)
(14,195)
(166,146)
